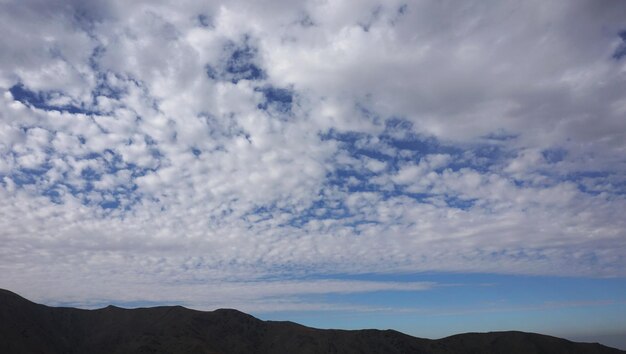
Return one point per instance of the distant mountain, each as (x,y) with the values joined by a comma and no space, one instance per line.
(27,327)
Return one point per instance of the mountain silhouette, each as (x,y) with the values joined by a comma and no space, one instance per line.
(27,327)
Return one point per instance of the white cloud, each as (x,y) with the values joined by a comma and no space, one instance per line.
(131,158)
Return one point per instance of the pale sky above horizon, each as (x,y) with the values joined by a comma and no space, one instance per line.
(344,158)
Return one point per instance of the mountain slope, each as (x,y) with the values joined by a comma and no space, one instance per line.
(26,327)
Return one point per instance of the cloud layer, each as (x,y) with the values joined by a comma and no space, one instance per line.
(154,146)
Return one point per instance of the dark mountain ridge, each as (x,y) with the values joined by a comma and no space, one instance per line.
(27,327)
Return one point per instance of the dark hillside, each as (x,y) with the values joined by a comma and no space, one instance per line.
(27,327)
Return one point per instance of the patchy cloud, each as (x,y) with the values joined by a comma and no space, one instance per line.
(152,145)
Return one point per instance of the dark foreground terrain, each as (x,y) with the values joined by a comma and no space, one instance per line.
(26,327)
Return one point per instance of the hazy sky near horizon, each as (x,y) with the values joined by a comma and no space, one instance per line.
(318,156)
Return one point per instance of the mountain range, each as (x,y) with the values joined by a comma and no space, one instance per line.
(27,327)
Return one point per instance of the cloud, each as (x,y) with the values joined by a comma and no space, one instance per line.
(287,140)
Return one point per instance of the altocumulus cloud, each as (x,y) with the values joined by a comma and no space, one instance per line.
(252,152)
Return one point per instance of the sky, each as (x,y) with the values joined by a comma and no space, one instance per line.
(430,166)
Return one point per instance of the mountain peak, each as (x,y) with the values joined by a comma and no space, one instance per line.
(26,327)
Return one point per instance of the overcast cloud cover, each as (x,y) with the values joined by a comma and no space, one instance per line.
(250,154)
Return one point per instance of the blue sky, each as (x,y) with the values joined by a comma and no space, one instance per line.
(484,302)
(425,166)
